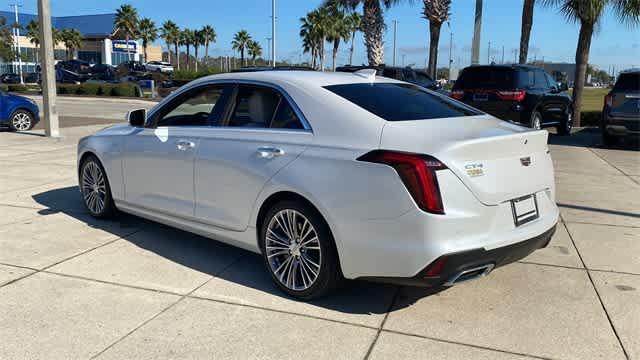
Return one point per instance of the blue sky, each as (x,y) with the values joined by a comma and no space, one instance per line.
(552,38)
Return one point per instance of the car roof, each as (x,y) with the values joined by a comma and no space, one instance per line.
(630,71)
(301,78)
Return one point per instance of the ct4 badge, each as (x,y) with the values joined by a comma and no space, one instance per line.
(474,170)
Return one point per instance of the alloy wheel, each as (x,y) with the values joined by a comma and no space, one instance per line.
(293,250)
(94,188)
(21,121)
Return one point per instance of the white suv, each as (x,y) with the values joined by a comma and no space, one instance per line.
(159,66)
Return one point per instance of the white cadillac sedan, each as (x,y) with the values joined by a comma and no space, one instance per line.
(330,176)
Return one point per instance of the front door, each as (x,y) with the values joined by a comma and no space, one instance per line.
(159,159)
(263,133)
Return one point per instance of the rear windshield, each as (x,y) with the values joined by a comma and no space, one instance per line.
(397,102)
(486,78)
(628,81)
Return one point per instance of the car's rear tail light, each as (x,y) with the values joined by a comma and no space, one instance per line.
(608,100)
(457,94)
(418,173)
(512,95)
(436,267)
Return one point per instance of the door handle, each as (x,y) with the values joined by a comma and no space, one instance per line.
(184,145)
(268,152)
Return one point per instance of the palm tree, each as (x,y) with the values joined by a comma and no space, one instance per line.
(255,50)
(147,32)
(309,35)
(33,33)
(126,21)
(187,39)
(72,40)
(437,12)
(372,25)
(209,36)
(171,35)
(240,41)
(198,40)
(525,32)
(337,29)
(6,41)
(589,13)
(355,25)
(314,31)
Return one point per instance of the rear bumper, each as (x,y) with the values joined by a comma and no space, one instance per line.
(458,263)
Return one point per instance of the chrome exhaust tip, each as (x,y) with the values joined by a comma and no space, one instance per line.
(469,274)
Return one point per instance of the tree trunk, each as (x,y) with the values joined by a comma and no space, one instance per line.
(434,39)
(322,54)
(353,40)
(582,61)
(525,32)
(241,57)
(334,54)
(188,56)
(169,53)
(144,47)
(127,46)
(206,54)
(175,45)
(196,51)
(373,23)
(313,59)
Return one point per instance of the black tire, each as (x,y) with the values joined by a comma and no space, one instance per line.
(329,276)
(21,120)
(566,124)
(108,209)
(536,120)
(608,139)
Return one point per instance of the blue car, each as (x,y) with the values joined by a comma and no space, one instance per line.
(18,112)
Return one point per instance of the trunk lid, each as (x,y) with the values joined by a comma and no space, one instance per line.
(496,160)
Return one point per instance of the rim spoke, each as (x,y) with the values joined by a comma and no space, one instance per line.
(288,259)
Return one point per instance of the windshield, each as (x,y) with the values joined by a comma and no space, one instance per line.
(398,102)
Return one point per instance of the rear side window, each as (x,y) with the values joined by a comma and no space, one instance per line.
(487,78)
(254,107)
(628,82)
(398,102)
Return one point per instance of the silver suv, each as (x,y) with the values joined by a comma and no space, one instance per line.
(621,112)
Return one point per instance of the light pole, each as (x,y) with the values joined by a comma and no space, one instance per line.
(273,33)
(489,54)
(395,30)
(475,48)
(17,41)
(450,49)
(48,72)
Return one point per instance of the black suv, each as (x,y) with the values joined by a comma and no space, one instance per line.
(407,74)
(621,112)
(520,93)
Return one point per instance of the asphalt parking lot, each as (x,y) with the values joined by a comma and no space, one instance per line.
(74,287)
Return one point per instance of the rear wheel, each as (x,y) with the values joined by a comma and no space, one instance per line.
(536,120)
(299,251)
(21,120)
(94,185)
(566,124)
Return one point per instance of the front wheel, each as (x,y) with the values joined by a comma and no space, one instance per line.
(566,124)
(299,251)
(21,120)
(96,192)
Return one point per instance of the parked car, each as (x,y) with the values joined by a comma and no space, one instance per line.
(621,112)
(10,78)
(159,66)
(18,113)
(520,93)
(103,72)
(399,73)
(330,175)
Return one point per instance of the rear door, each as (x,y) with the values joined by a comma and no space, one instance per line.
(625,97)
(264,131)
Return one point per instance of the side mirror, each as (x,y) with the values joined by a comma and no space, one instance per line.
(137,118)
(562,86)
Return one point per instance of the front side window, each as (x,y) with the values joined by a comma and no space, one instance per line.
(254,107)
(398,102)
(194,108)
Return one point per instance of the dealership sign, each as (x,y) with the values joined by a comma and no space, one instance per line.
(122,46)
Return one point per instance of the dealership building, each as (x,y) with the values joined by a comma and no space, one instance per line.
(101,42)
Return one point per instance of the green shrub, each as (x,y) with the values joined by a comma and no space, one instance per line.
(189,75)
(96,89)
(590,118)
(4,88)
(88,89)
(127,90)
(17,88)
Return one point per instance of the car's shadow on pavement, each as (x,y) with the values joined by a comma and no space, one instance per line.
(205,255)
(591,137)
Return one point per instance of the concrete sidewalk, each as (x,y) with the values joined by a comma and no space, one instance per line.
(75,287)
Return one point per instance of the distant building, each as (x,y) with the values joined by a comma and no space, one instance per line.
(102,43)
(561,71)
